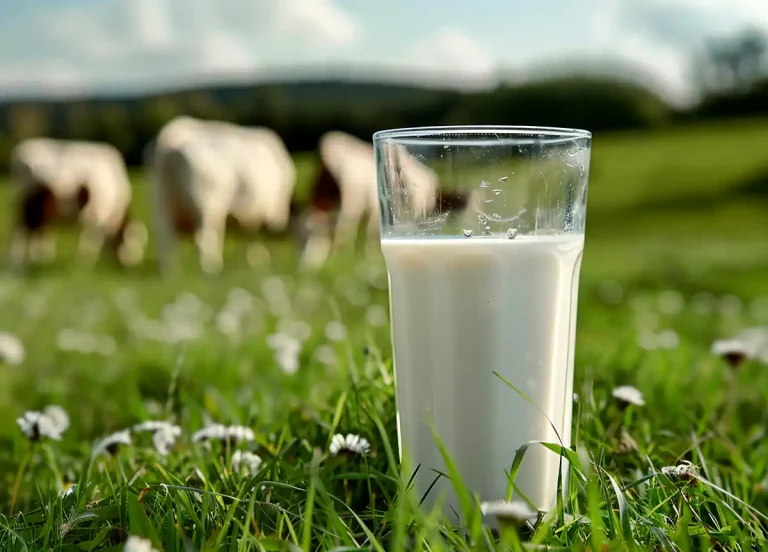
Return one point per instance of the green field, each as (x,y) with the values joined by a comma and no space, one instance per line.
(677,240)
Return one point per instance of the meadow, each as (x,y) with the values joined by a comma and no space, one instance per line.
(676,257)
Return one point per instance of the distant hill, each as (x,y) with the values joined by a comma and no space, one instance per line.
(301,110)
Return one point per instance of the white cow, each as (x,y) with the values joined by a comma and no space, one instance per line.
(59,181)
(202,172)
(346,191)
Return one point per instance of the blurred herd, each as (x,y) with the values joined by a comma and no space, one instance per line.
(202,174)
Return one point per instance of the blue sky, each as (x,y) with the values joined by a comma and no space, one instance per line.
(69,46)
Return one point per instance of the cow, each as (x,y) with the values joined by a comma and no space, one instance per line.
(204,173)
(345,193)
(72,182)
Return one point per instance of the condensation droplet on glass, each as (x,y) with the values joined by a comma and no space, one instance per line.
(503,179)
(581,167)
(488,200)
(487,227)
(484,184)
(496,191)
(512,233)
(467,233)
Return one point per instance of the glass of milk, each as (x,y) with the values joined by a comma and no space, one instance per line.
(482,231)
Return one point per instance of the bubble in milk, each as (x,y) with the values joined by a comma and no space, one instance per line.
(467,233)
(512,233)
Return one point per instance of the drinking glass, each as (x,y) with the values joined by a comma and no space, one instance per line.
(482,232)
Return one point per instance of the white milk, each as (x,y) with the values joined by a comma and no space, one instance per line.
(463,308)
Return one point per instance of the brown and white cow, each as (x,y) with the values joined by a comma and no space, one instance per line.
(206,172)
(345,193)
(72,182)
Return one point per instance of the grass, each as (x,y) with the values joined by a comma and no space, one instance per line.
(653,262)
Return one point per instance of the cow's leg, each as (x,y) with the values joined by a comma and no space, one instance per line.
(19,247)
(347,222)
(209,238)
(316,251)
(42,247)
(90,243)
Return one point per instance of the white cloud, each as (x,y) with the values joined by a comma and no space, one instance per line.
(151,22)
(662,37)
(449,54)
(125,43)
(222,53)
(320,21)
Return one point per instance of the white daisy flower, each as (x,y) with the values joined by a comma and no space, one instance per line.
(11,349)
(50,423)
(671,302)
(288,360)
(628,394)
(508,513)
(749,344)
(275,292)
(667,339)
(239,433)
(164,434)
(165,439)
(68,489)
(287,349)
(651,341)
(228,322)
(240,301)
(376,316)
(297,329)
(681,472)
(137,544)
(258,255)
(111,443)
(219,432)
(730,306)
(646,340)
(335,331)
(353,444)
(325,354)
(213,432)
(248,461)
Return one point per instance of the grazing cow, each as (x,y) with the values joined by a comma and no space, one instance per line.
(205,172)
(345,193)
(59,182)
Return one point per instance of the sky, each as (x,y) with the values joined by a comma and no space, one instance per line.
(69,47)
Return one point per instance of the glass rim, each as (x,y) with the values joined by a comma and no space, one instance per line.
(495,134)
